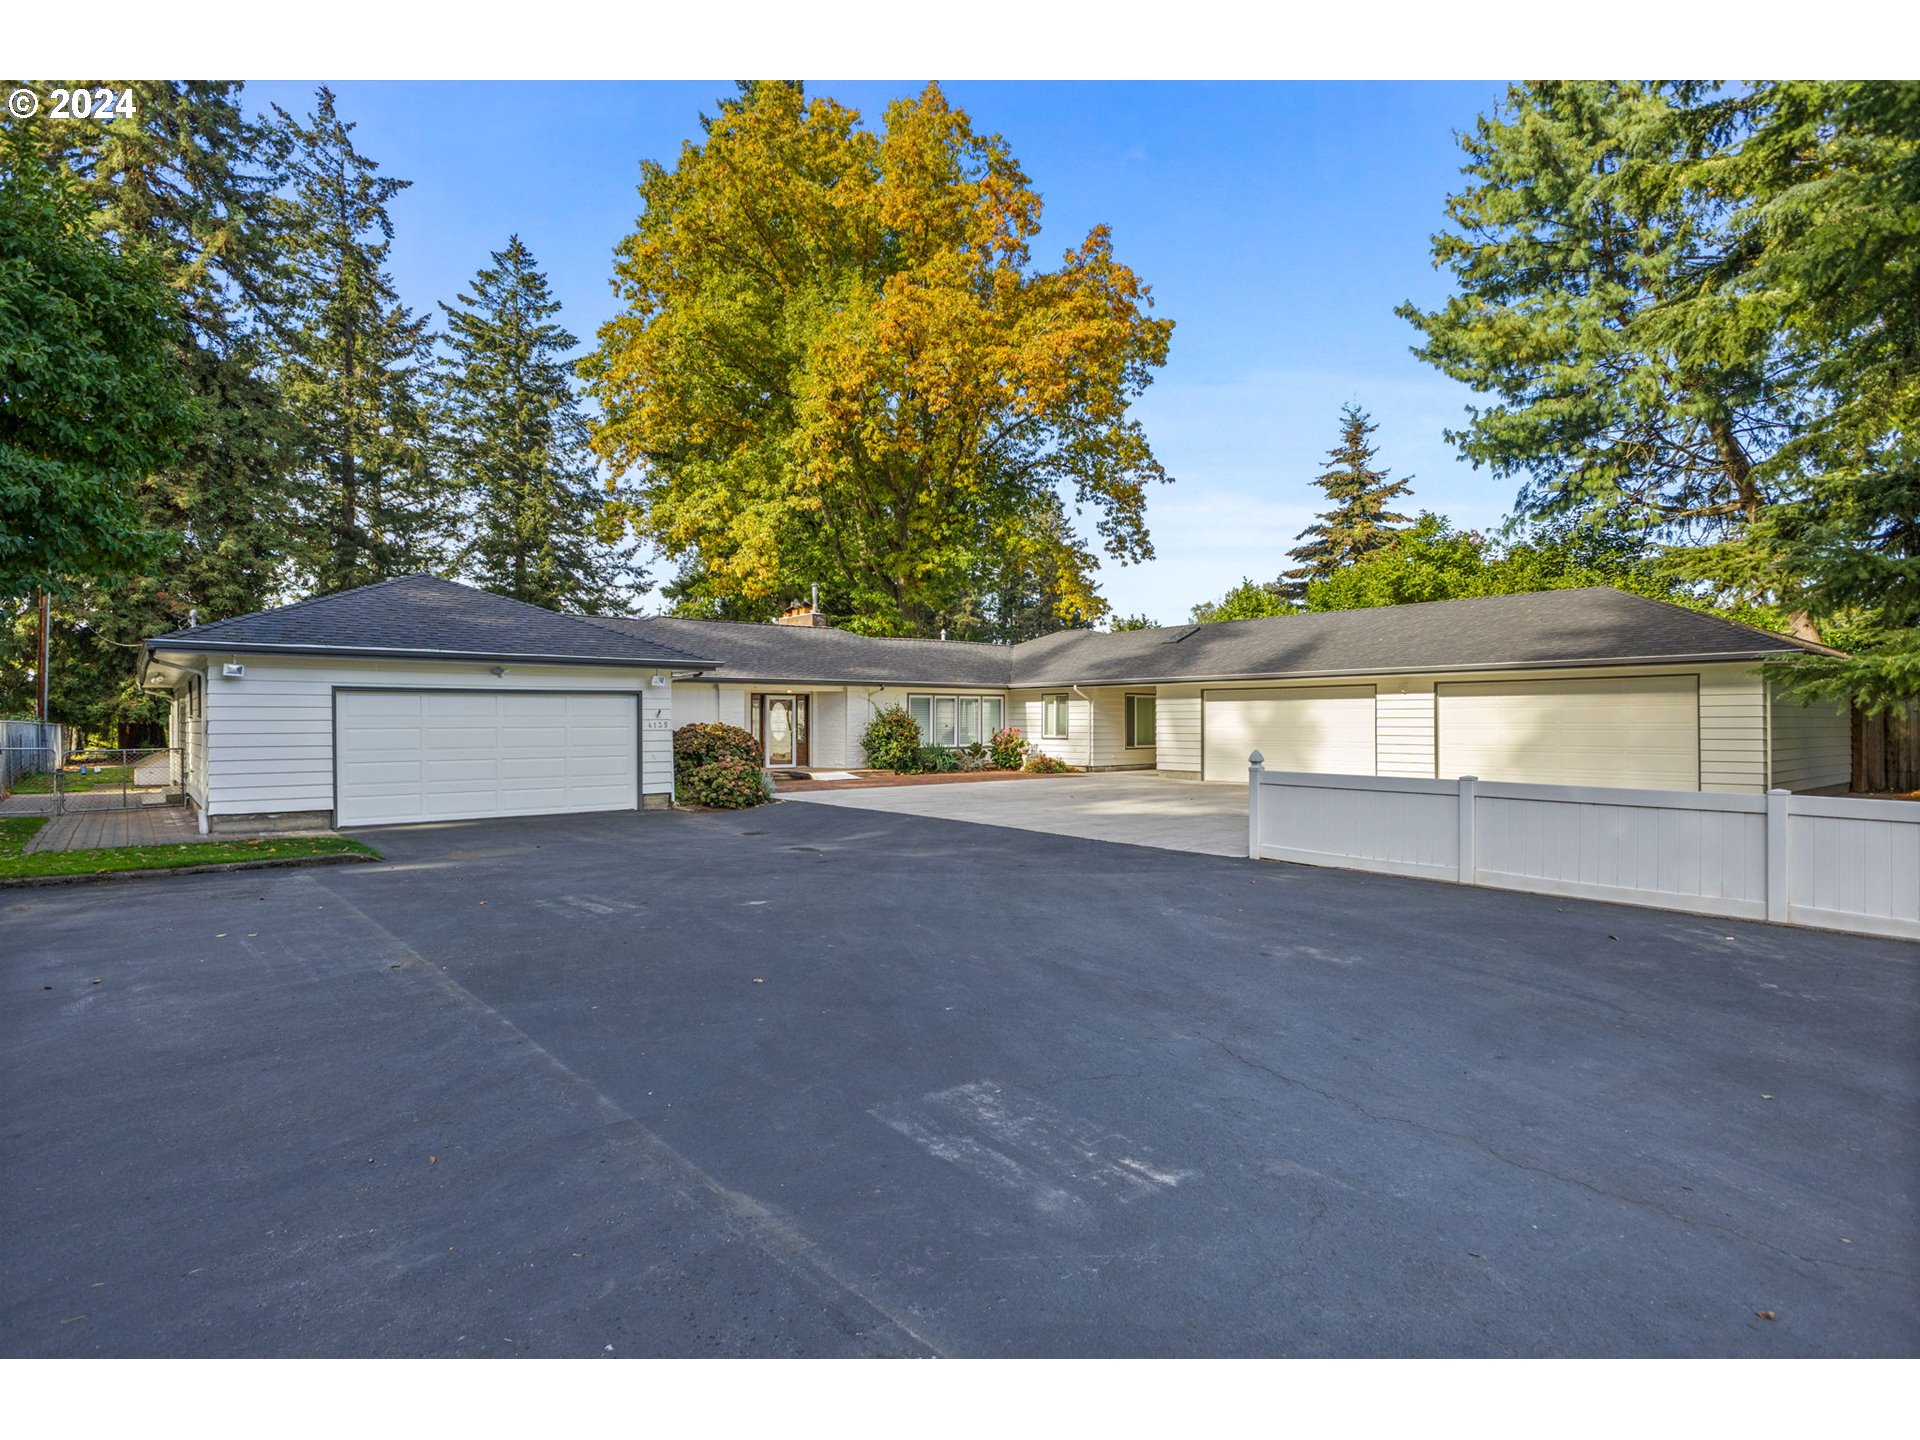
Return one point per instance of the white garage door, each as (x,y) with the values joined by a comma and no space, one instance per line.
(407,755)
(1321,729)
(1641,734)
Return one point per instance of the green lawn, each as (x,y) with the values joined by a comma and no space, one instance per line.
(108,777)
(15,831)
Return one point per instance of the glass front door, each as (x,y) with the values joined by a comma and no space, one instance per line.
(785,729)
(780,730)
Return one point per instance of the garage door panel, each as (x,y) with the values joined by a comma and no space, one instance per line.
(1326,730)
(1632,732)
(469,755)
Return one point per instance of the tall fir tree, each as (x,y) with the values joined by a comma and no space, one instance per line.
(1359,522)
(351,361)
(1575,239)
(514,447)
(184,177)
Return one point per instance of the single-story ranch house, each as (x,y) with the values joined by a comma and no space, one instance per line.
(418,699)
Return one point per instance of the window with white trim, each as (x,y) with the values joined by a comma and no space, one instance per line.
(1053,717)
(1140,712)
(956,720)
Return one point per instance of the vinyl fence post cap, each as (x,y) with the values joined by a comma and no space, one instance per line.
(1256,758)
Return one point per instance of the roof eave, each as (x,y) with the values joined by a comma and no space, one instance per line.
(1587,663)
(236,647)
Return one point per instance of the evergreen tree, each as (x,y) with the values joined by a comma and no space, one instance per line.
(515,446)
(1578,234)
(350,363)
(1360,522)
(1829,254)
(185,178)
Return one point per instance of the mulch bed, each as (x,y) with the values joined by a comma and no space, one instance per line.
(884,778)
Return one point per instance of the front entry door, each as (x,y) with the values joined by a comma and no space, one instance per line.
(786,730)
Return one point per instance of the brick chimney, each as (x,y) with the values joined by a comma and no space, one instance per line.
(799,612)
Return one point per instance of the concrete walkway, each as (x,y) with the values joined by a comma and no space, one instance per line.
(109,829)
(1133,809)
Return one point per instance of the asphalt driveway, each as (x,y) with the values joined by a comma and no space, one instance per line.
(828,1081)
(1142,809)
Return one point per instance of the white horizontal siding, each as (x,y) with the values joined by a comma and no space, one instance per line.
(1177,727)
(1405,745)
(269,733)
(1811,745)
(1733,730)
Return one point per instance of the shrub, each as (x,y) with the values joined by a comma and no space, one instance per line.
(974,757)
(1008,748)
(695,745)
(892,741)
(718,766)
(938,760)
(729,784)
(1038,764)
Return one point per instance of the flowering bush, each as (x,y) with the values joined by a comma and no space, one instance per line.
(1038,764)
(892,741)
(718,766)
(730,784)
(1008,748)
(704,744)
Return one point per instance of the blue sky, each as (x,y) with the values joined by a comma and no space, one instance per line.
(1278,224)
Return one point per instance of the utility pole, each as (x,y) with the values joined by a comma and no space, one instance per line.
(40,667)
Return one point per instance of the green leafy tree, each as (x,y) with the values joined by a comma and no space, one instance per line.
(350,359)
(839,364)
(1031,581)
(1249,600)
(1359,522)
(1132,622)
(184,178)
(93,400)
(1431,560)
(515,446)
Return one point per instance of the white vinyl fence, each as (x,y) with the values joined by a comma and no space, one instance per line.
(28,747)
(1832,862)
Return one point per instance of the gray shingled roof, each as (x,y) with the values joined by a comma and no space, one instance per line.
(426,617)
(1594,626)
(793,653)
(418,615)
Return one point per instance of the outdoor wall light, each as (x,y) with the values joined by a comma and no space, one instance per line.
(499,670)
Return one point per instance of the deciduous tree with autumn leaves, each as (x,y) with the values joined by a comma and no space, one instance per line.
(839,364)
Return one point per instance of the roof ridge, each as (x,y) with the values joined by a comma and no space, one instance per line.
(814,630)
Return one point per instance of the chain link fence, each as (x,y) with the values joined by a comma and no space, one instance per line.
(45,779)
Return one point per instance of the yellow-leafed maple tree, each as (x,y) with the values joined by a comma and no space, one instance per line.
(838,363)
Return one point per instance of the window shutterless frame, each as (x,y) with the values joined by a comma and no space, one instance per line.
(1140,721)
(956,720)
(1053,716)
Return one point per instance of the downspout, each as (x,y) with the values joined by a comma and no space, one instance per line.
(863,749)
(1089,699)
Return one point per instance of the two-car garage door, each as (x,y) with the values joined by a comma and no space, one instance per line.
(413,755)
(1640,732)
